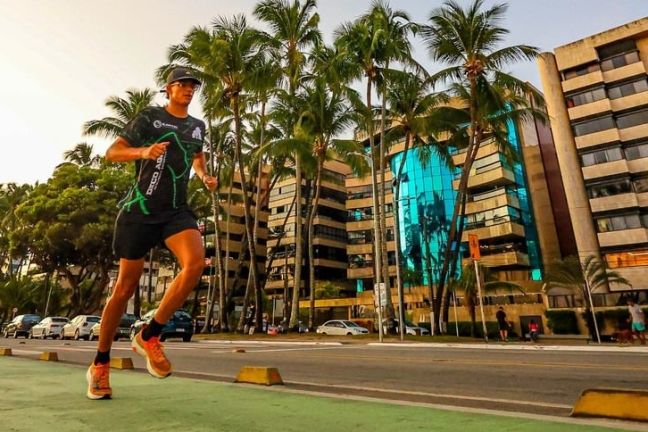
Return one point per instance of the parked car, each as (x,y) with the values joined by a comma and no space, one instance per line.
(341,327)
(123,330)
(410,328)
(21,325)
(49,327)
(180,325)
(79,327)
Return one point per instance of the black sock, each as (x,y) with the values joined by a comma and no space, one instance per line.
(102,357)
(154,328)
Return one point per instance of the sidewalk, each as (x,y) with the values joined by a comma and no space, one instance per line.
(40,396)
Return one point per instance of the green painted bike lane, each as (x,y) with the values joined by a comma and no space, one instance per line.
(43,396)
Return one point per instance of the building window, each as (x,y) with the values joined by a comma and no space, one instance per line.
(609,188)
(594,125)
(637,151)
(628,88)
(627,259)
(601,156)
(635,118)
(619,61)
(586,97)
(492,217)
(618,54)
(618,223)
(580,70)
(641,184)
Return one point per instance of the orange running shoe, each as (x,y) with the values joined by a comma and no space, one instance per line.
(156,362)
(98,382)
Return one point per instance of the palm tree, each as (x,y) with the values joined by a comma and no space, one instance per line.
(468,40)
(327,114)
(11,196)
(294,29)
(416,117)
(467,284)
(123,109)
(82,155)
(584,278)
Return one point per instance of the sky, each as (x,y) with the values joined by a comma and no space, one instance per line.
(61,59)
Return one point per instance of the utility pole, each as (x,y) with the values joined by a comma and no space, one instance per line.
(473,242)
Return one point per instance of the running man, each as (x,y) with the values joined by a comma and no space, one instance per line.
(638,321)
(165,143)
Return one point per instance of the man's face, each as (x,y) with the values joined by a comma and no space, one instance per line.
(181,92)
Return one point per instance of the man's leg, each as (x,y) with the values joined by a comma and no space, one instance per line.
(188,249)
(130,272)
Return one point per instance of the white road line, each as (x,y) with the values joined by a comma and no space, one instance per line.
(279,350)
(246,342)
(586,348)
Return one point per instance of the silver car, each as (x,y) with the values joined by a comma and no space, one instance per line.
(49,327)
(79,327)
(341,327)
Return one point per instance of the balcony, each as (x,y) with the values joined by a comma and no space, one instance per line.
(624,72)
(614,202)
(642,199)
(582,81)
(589,109)
(628,102)
(359,249)
(506,229)
(511,258)
(490,177)
(605,169)
(623,237)
(492,202)
(638,165)
(632,133)
(360,272)
(485,149)
(596,138)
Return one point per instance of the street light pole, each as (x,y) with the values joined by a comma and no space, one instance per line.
(377,248)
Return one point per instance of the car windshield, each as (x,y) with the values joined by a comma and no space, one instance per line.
(59,320)
(182,315)
(31,318)
(350,324)
(93,319)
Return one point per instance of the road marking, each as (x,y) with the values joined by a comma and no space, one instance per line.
(482,362)
(280,350)
(502,347)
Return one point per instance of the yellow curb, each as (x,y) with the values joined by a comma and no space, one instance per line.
(612,403)
(259,375)
(5,351)
(121,363)
(49,356)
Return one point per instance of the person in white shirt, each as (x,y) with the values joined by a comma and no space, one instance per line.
(638,320)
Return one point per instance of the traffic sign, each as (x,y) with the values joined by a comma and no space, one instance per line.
(380,291)
(473,245)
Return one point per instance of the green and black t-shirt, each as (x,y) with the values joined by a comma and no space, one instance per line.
(160,189)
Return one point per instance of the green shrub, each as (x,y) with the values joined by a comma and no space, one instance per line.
(562,321)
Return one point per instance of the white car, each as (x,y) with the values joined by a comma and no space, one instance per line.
(341,327)
(79,327)
(49,327)
(410,328)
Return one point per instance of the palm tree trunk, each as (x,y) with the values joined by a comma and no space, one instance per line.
(383,205)
(311,251)
(299,240)
(246,198)
(225,293)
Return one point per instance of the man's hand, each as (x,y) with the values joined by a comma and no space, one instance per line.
(154,151)
(210,182)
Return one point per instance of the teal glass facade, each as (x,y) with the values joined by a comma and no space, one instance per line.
(425,211)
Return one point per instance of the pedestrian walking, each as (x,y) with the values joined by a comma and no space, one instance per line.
(533,330)
(165,143)
(638,321)
(502,323)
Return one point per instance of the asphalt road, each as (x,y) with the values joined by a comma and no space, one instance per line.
(541,382)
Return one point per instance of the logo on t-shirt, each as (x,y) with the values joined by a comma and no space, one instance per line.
(157,124)
(196,134)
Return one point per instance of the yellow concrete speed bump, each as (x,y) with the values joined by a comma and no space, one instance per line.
(612,403)
(259,375)
(49,356)
(5,351)
(121,363)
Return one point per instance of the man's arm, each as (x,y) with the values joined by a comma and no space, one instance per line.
(200,167)
(122,151)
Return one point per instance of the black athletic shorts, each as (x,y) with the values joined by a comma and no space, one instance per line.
(133,240)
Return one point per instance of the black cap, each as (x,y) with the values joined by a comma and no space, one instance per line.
(181,73)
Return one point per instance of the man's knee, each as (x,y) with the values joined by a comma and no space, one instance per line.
(123,292)
(194,268)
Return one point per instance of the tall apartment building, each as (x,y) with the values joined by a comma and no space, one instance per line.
(232,238)
(508,207)
(596,91)
(330,233)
